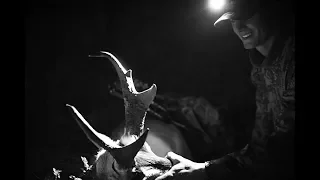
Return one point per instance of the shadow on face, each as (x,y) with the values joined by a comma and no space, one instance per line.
(251,32)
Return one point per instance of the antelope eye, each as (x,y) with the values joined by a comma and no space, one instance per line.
(137,175)
(114,168)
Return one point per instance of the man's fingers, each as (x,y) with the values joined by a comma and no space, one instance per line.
(174,158)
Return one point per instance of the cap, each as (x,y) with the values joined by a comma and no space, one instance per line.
(240,10)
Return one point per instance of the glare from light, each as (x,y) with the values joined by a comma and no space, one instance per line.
(216,5)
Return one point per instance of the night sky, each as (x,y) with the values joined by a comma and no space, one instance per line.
(170,43)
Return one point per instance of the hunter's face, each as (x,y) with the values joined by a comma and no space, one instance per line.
(251,31)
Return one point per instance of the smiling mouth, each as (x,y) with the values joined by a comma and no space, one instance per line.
(246,36)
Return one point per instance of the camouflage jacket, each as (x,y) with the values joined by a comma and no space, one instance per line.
(269,154)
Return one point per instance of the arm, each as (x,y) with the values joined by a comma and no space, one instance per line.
(265,156)
(257,159)
(270,151)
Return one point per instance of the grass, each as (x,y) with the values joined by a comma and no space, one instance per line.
(86,173)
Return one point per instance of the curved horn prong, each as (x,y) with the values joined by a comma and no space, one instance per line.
(98,139)
(125,155)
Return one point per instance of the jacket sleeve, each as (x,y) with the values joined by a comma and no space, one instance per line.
(244,163)
(265,155)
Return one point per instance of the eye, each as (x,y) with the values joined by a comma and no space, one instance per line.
(232,21)
(138,176)
(114,168)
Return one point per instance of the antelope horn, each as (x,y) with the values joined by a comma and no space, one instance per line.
(136,103)
(123,155)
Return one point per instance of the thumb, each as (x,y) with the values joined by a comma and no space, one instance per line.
(174,158)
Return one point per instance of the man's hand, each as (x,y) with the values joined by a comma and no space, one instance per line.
(183,169)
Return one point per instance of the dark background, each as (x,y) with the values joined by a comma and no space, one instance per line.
(170,43)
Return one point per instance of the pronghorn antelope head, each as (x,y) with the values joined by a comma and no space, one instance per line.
(130,157)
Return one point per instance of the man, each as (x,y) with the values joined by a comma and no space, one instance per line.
(268,34)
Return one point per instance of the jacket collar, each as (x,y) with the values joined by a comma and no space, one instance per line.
(258,60)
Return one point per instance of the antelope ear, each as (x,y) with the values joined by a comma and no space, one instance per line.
(125,155)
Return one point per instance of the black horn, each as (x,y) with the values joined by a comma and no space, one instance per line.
(123,155)
(136,103)
(136,106)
